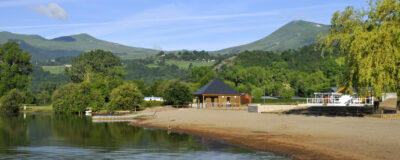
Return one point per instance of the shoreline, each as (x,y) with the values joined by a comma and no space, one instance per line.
(282,145)
(279,138)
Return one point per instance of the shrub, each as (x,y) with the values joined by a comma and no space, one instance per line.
(124,97)
(11,101)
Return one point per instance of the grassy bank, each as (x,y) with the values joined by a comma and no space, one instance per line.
(44,108)
(54,69)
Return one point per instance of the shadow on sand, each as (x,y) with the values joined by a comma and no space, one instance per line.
(333,111)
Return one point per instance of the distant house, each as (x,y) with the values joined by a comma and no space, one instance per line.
(216,94)
(153,98)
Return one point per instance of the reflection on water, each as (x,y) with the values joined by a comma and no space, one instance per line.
(50,136)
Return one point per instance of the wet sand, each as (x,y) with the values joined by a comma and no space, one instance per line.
(295,136)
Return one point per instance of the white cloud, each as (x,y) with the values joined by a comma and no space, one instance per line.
(53,10)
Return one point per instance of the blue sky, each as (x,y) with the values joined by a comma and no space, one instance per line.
(165,24)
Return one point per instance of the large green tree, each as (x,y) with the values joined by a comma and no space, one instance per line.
(177,93)
(124,97)
(202,75)
(369,41)
(96,65)
(76,98)
(15,68)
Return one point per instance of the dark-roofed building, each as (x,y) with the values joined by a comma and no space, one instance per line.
(217,94)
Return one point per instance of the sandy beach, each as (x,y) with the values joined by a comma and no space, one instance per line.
(295,136)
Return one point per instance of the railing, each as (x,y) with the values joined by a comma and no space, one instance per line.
(215,104)
(323,101)
(336,101)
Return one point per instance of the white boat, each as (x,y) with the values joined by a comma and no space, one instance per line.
(339,99)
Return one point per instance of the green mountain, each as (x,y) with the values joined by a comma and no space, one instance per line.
(293,35)
(42,48)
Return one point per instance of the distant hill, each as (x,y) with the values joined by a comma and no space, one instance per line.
(293,35)
(45,49)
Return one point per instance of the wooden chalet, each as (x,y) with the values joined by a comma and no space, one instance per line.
(216,94)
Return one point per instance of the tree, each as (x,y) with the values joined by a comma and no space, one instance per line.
(177,93)
(257,92)
(153,89)
(43,97)
(96,64)
(50,87)
(369,41)
(11,101)
(234,74)
(15,68)
(286,92)
(124,97)
(202,75)
(62,100)
(76,98)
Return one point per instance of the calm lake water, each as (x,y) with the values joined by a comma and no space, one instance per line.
(47,136)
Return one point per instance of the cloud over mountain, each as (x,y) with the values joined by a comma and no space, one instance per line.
(52,10)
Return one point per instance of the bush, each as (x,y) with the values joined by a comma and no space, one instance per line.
(63,98)
(287,93)
(177,93)
(125,97)
(29,97)
(11,101)
(75,98)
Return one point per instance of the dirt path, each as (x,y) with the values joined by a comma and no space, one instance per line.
(296,136)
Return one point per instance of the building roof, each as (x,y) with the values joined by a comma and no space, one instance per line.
(216,86)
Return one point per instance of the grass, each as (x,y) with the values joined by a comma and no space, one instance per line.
(38,108)
(185,64)
(54,69)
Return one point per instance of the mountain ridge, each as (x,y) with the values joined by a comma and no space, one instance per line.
(69,45)
(292,35)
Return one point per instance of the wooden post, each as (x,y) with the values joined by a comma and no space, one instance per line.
(203,102)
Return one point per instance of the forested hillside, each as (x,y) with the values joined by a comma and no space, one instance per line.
(299,72)
(292,72)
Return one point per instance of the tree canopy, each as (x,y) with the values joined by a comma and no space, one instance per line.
(124,97)
(11,101)
(369,41)
(97,64)
(15,68)
(177,93)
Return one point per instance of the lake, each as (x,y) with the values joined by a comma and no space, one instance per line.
(48,136)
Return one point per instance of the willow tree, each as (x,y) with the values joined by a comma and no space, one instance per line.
(369,41)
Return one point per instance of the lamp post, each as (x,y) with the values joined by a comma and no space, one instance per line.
(264,94)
